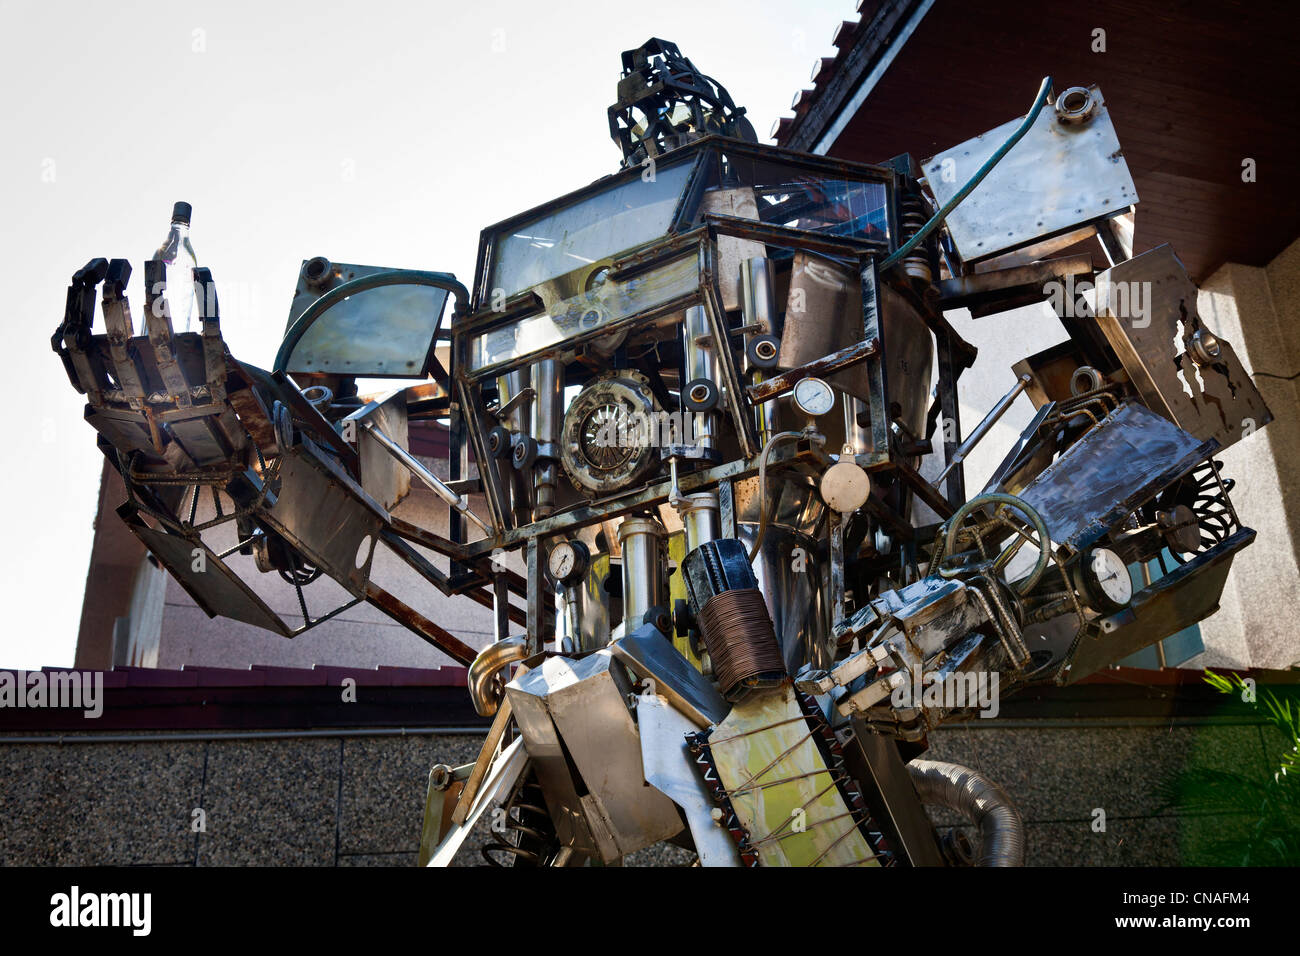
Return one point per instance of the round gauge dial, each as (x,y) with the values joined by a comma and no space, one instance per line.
(567,562)
(1107,579)
(813,397)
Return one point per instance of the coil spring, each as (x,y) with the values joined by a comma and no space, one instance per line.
(1210,505)
(527,818)
(912,215)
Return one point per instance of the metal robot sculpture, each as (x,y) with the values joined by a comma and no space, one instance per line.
(698,472)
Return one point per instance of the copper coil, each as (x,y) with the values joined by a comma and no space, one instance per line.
(741,642)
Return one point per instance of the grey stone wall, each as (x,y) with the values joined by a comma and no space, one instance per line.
(358,801)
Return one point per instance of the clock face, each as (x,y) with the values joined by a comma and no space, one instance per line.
(1110,575)
(813,396)
(562,560)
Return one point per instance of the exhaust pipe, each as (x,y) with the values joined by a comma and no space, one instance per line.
(979,800)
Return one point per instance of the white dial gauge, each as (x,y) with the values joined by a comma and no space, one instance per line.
(567,562)
(813,397)
(1108,578)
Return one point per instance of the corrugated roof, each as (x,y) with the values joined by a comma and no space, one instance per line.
(844,38)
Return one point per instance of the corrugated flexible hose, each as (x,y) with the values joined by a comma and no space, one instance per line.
(978,799)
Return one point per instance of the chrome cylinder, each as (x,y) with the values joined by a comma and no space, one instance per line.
(547,420)
(700,373)
(508,386)
(758,302)
(857,436)
(699,518)
(642,542)
(698,360)
(757,298)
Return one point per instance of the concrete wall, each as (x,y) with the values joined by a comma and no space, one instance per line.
(358,801)
(1257,311)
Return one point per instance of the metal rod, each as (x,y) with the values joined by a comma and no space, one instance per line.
(476,776)
(1160,645)
(991,419)
(440,487)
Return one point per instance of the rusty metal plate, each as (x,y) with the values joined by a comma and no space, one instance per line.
(326,516)
(385,332)
(823,315)
(383,477)
(579,316)
(216,589)
(1118,464)
(1147,309)
(738,203)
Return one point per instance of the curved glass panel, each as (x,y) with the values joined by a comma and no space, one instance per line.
(600,225)
(813,200)
(379,333)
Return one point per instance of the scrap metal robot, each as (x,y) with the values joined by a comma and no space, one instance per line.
(706,467)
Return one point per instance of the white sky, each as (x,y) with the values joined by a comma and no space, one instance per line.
(379,133)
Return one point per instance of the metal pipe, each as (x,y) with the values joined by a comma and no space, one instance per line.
(979,800)
(762,489)
(439,487)
(547,419)
(982,429)
(699,518)
(485,688)
(758,304)
(1160,645)
(641,540)
(699,365)
(515,395)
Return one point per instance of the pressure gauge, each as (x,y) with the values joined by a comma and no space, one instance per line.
(1106,582)
(813,397)
(567,563)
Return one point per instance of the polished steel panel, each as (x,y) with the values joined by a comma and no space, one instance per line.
(584,703)
(1059,177)
(650,656)
(669,768)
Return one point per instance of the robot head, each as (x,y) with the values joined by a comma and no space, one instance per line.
(664,102)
